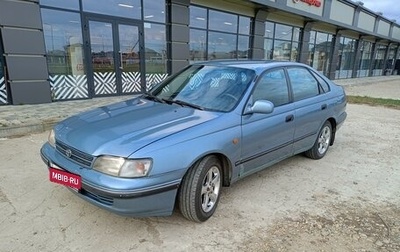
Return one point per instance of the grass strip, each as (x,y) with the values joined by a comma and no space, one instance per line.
(389,103)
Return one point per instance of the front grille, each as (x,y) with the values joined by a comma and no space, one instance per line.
(74,154)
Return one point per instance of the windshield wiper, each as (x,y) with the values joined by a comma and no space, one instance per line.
(185,104)
(153,97)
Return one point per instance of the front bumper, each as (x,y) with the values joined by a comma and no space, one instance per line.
(140,197)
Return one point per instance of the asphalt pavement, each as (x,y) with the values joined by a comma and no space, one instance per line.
(18,120)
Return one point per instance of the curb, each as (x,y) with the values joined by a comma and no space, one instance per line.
(17,131)
(365,81)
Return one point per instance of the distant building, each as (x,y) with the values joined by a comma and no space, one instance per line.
(54,50)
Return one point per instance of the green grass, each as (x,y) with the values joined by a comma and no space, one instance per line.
(389,103)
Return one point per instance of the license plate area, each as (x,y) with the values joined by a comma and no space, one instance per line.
(65,178)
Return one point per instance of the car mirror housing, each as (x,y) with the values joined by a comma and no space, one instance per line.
(260,106)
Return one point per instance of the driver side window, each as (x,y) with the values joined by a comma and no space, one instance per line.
(272,86)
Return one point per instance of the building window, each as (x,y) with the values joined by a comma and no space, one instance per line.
(127,8)
(155,53)
(221,45)
(378,62)
(365,59)
(244,25)
(281,42)
(220,21)
(65,55)
(282,50)
(268,49)
(198,45)
(391,59)
(243,47)
(392,52)
(218,35)
(269,30)
(198,17)
(63,39)
(154,11)
(283,32)
(346,62)
(320,51)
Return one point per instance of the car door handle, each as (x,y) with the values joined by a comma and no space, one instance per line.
(289,118)
(324,106)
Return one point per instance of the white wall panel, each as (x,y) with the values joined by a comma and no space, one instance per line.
(342,13)
(366,22)
(396,33)
(383,28)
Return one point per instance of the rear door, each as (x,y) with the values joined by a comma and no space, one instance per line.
(268,138)
(311,107)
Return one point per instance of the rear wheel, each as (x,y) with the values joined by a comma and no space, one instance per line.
(200,189)
(322,143)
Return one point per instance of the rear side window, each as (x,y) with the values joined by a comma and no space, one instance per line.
(304,84)
(272,86)
(323,85)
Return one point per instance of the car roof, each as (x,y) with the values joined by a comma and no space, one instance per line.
(256,65)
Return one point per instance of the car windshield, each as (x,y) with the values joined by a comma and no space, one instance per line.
(216,88)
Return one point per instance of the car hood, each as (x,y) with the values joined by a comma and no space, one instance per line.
(123,128)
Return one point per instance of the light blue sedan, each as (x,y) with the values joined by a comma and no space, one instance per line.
(198,131)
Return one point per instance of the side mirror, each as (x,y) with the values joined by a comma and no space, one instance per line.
(260,106)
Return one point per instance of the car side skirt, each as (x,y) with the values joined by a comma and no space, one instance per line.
(298,140)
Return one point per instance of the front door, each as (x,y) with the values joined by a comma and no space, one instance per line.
(268,138)
(114,60)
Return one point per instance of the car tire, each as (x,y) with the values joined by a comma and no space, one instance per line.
(322,143)
(200,189)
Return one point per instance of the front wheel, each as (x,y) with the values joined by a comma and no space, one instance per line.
(200,189)
(321,145)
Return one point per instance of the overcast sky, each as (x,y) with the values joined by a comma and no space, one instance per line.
(389,8)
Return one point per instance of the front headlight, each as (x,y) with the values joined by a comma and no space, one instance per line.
(122,167)
(52,138)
